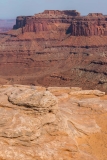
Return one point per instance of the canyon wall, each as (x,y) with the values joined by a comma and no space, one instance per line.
(43,51)
(93,24)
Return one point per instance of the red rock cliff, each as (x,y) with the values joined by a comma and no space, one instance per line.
(93,24)
(45,54)
(48,20)
(68,21)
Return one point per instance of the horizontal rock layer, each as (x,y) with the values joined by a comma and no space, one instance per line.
(51,56)
(76,25)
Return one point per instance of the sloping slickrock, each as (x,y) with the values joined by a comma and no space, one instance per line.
(37,125)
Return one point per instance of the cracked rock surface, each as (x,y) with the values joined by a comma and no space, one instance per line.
(55,123)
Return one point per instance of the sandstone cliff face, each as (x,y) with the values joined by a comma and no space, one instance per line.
(64,12)
(89,26)
(38,123)
(44,52)
(93,24)
(47,17)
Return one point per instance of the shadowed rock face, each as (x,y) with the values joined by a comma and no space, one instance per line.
(38,123)
(43,51)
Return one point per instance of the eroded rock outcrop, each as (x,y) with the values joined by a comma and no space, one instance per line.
(45,21)
(36,124)
(89,26)
(44,50)
(93,24)
(42,102)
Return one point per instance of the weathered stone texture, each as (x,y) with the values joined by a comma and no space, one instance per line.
(30,130)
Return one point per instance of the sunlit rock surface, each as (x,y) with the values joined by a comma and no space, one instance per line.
(56,48)
(54,123)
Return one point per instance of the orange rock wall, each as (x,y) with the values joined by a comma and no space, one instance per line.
(93,24)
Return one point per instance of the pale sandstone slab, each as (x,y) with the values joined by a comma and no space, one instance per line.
(36,125)
(42,101)
(87,92)
(62,90)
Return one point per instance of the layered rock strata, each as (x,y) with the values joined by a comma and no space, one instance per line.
(43,51)
(93,24)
